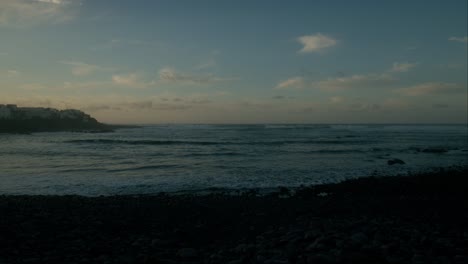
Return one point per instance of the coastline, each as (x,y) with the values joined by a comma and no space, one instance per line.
(419,218)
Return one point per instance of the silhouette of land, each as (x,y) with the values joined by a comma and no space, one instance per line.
(402,219)
(15,119)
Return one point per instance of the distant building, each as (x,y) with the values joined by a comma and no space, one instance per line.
(11,111)
(7,111)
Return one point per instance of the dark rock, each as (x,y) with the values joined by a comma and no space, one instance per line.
(244,249)
(418,259)
(359,238)
(459,259)
(187,253)
(275,261)
(395,161)
(320,259)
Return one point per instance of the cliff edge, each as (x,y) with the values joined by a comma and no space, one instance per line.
(14,119)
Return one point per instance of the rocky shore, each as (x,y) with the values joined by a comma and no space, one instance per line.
(402,219)
(14,119)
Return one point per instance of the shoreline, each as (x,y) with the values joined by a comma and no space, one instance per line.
(419,218)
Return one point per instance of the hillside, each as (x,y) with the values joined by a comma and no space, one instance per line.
(15,119)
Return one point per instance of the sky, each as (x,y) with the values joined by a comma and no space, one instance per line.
(263,61)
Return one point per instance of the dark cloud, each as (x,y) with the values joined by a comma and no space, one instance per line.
(172,76)
(200,101)
(279,97)
(141,105)
(365,107)
(95,108)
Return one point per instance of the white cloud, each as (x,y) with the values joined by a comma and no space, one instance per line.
(128,79)
(206,64)
(292,83)
(13,73)
(314,43)
(170,75)
(32,87)
(20,13)
(459,39)
(132,80)
(354,81)
(83,85)
(348,82)
(432,88)
(336,99)
(82,69)
(402,66)
(51,1)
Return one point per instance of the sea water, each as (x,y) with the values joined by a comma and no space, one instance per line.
(172,158)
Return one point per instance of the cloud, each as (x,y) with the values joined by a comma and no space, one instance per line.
(354,81)
(314,43)
(34,12)
(121,43)
(336,99)
(206,64)
(169,75)
(128,80)
(440,105)
(292,83)
(347,82)
(58,2)
(13,73)
(82,69)
(82,85)
(402,66)
(365,106)
(459,39)
(431,88)
(141,105)
(131,79)
(279,97)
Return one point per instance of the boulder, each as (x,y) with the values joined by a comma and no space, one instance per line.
(187,253)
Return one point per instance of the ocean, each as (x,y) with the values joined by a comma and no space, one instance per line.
(192,158)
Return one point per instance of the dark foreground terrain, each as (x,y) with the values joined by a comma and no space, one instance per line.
(415,219)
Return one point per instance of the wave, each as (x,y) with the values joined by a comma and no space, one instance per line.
(149,167)
(297,126)
(184,142)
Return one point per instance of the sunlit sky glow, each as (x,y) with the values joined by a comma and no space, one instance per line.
(238,61)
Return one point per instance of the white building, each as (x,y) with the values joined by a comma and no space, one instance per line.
(72,114)
(38,112)
(6,111)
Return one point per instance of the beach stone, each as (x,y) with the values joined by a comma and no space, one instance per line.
(320,259)
(359,238)
(275,261)
(395,161)
(417,259)
(459,259)
(125,259)
(187,253)
(244,248)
